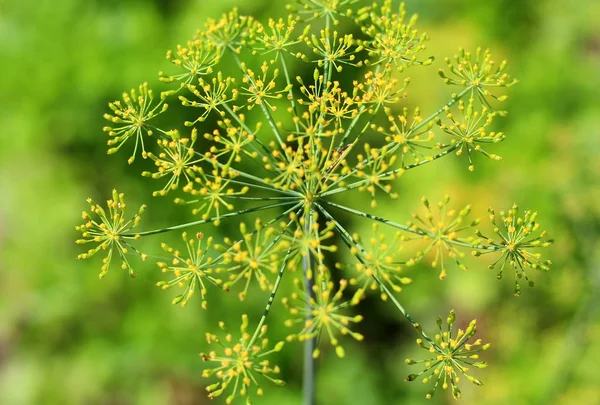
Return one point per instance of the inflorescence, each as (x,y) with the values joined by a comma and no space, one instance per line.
(301,160)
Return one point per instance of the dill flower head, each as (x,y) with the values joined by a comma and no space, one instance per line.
(307,239)
(131,117)
(210,96)
(329,9)
(392,39)
(176,159)
(518,236)
(195,59)
(478,72)
(110,231)
(379,258)
(288,147)
(191,269)
(469,132)
(254,258)
(325,308)
(277,36)
(238,363)
(453,356)
(442,231)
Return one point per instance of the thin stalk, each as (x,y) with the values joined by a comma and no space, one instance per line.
(310,344)
(262,105)
(349,241)
(362,108)
(271,122)
(291,93)
(441,110)
(245,127)
(205,221)
(419,126)
(263,319)
(255,186)
(246,175)
(395,171)
(407,228)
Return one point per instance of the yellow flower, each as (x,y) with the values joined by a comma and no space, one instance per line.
(239,362)
(453,356)
(190,271)
(111,233)
(131,118)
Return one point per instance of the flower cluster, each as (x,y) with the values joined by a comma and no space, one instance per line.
(254,257)
(239,362)
(287,151)
(517,243)
(379,259)
(321,312)
(478,73)
(453,356)
(469,131)
(391,39)
(175,159)
(442,232)
(110,231)
(131,117)
(191,271)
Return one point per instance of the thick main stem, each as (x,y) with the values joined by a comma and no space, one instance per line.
(310,344)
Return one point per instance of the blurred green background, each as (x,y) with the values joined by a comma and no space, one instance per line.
(67,338)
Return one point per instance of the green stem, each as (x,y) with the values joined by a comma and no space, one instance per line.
(256,186)
(416,128)
(259,180)
(442,109)
(362,108)
(205,221)
(291,93)
(310,344)
(271,122)
(406,228)
(395,171)
(245,127)
(263,319)
(262,105)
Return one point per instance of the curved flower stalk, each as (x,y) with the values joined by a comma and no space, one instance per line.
(288,153)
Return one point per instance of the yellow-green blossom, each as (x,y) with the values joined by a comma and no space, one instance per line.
(239,361)
(131,117)
(325,308)
(453,356)
(517,243)
(191,269)
(110,231)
